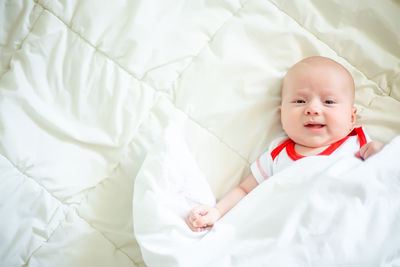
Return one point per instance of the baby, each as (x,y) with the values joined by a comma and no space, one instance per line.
(318,116)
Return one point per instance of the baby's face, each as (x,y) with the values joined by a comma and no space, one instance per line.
(317,103)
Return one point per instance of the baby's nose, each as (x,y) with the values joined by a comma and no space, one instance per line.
(313,109)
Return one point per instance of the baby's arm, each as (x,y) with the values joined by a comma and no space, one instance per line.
(369,149)
(202,217)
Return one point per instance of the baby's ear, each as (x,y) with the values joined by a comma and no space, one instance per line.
(354,115)
(280,108)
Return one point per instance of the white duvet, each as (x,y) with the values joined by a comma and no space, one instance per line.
(88,87)
(321,211)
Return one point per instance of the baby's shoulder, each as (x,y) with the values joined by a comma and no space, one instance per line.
(277,141)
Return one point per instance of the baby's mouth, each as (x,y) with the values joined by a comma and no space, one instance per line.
(314,125)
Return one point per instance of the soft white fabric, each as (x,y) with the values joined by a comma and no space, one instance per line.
(265,166)
(321,211)
(169,184)
(87,87)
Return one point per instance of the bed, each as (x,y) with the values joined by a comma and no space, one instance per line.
(88,88)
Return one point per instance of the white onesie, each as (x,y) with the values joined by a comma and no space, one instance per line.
(281,153)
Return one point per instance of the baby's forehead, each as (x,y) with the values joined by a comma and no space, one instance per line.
(319,69)
(314,72)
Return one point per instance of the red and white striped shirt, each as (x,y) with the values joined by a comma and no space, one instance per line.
(282,154)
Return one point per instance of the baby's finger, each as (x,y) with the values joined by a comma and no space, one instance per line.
(203,221)
(362,151)
(368,152)
(201,210)
(194,216)
(193,227)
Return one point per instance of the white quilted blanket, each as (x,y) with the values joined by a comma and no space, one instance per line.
(322,211)
(87,87)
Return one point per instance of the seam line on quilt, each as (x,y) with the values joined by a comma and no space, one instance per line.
(83,219)
(207,43)
(105,237)
(45,241)
(60,203)
(29,177)
(64,219)
(92,45)
(25,37)
(150,86)
(208,130)
(381,90)
(233,14)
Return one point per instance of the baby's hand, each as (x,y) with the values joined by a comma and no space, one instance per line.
(369,149)
(202,217)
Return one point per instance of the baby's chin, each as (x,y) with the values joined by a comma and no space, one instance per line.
(315,141)
(313,144)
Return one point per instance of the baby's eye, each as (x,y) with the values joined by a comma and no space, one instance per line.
(299,101)
(329,102)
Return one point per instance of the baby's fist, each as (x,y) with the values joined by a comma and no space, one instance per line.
(369,149)
(202,217)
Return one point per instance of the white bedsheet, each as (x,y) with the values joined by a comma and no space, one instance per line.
(87,87)
(322,211)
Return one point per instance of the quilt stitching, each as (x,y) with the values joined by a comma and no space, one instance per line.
(214,135)
(72,207)
(144,82)
(207,44)
(60,203)
(108,239)
(45,241)
(25,37)
(31,178)
(63,206)
(90,44)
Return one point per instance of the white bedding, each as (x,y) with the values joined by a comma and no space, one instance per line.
(88,87)
(322,211)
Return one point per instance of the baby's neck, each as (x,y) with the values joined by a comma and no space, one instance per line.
(309,151)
